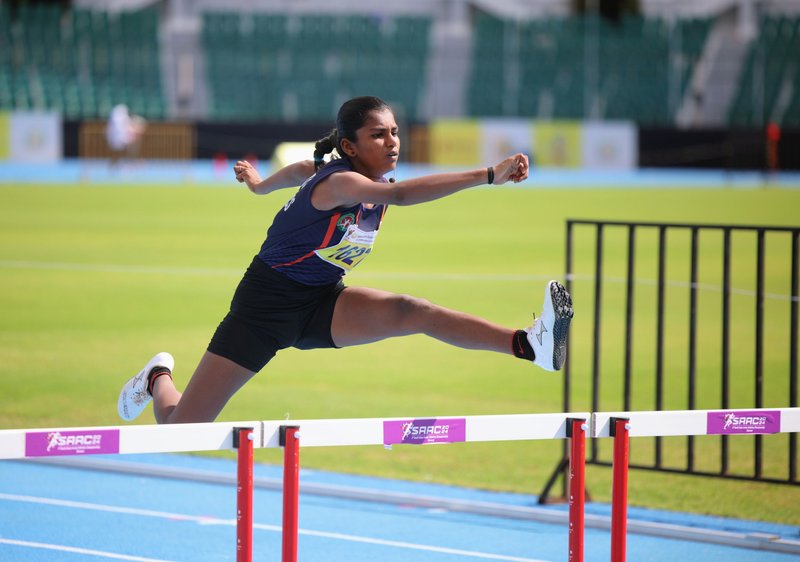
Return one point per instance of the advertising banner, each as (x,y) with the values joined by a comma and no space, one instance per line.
(610,146)
(455,142)
(558,144)
(78,442)
(425,431)
(35,137)
(601,145)
(737,422)
(503,137)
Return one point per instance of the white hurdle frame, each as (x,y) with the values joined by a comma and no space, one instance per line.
(676,423)
(178,438)
(669,423)
(294,434)
(370,431)
(291,435)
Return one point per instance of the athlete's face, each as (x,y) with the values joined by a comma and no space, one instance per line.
(377,145)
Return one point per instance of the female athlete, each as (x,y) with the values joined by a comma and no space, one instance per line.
(292,294)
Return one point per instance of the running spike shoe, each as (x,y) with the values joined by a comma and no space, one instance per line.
(133,398)
(548,335)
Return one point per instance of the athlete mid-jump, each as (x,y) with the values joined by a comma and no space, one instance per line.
(292,295)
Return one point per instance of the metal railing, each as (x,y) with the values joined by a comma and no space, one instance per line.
(721,253)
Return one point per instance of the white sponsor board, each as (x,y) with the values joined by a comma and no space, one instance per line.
(35,137)
(609,146)
(503,137)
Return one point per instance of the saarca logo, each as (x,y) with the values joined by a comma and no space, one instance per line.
(750,421)
(422,431)
(55,440)
(56,443)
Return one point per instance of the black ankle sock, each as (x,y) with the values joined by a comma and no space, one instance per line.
(156,372)
(521,346)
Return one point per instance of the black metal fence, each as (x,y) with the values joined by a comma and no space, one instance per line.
(685,316)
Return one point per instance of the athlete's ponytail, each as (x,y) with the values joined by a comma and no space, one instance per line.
(324,146)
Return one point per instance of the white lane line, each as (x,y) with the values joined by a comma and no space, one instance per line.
(102,507)
(379,275)
(74,550)
(261,526)
(708,287)
(414,546)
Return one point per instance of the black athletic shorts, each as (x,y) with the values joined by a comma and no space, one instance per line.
(270,312)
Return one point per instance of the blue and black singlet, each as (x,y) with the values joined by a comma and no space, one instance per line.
(316,247)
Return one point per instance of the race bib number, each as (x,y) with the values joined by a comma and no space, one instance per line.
(354,246)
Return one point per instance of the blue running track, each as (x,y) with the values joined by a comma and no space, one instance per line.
(67,513)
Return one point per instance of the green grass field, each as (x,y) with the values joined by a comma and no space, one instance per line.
(94,280)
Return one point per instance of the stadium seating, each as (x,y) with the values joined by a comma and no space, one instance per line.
(305,66)
(80,62)
(772,70)
(578,67)
(302,66)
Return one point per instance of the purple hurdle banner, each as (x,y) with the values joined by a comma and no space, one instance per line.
(71,441)
(80,442)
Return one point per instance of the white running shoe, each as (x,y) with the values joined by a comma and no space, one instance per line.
(548,335)
(133,398)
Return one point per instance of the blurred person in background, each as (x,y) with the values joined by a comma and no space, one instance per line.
(124,133)
(292,295)
(773,139)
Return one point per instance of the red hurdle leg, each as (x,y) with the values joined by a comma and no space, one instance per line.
(576,431)
(243,441)
(619,500)
(289,440)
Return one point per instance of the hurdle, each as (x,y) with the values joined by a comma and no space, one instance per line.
(244,437)
(621,426)
(427,431)
(179,438)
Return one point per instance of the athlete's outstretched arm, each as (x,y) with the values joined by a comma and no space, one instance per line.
(288,176)
(349,188)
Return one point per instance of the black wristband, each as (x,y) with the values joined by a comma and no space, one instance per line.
(490,173)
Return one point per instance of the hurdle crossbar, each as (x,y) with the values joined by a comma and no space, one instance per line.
(667,423)
(67,441)
(422,430)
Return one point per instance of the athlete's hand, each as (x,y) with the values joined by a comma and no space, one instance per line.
(246,173)
(514,168)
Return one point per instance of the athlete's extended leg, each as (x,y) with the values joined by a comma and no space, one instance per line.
(213,383)
(215,380)
(365,315)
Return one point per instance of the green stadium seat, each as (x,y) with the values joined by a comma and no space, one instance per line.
(771,62)
(293,78)
(553,55)
(52,47)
